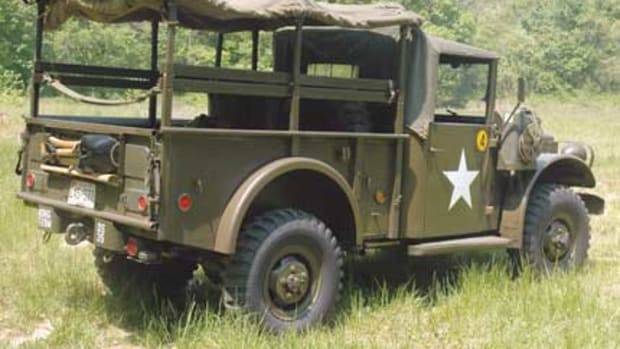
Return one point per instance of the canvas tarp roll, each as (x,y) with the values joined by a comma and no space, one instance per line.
(422,79)
(232,15)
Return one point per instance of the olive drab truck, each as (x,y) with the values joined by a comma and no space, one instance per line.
(365,132)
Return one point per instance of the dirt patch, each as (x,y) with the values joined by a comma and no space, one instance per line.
(16,338)
(120,338)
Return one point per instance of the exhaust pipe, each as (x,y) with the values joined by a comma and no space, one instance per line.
(75,233)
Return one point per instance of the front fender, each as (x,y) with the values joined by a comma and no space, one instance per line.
(234,214)
(561,169)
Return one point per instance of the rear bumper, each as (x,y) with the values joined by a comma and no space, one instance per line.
(143,224)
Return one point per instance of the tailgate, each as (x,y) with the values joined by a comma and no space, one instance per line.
(95,178)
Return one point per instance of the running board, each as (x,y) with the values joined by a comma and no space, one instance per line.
(459,245)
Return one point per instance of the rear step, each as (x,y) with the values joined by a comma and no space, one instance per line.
(459,245)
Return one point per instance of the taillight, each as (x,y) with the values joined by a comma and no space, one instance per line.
(30,180)
(143,203)
(184,202)
(132,247)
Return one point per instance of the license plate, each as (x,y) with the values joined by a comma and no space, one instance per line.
(45,218)
(82,194)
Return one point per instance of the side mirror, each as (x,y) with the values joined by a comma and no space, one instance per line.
(522,90)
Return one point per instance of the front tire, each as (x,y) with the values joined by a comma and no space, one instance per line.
(557,232)
(287,270)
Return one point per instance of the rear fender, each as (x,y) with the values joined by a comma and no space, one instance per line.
(237,208)
(550,168)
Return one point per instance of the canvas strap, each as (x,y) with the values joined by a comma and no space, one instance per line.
(65,90)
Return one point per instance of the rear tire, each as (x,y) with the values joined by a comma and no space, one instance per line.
(165,281)
(557,232)
(287,270)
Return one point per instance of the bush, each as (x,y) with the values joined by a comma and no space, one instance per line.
(11,86)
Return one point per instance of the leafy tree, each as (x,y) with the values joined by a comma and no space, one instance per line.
(16,38)
(558,45)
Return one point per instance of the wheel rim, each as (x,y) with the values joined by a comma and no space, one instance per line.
(557,241)
(292,283)
(289,281)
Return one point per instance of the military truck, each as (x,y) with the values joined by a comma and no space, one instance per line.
(366,133)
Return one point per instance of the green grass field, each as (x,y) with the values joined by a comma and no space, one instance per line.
(51,297)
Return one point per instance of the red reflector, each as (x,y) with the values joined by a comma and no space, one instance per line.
(131,247)
(184,202)
(30,181)
(143,203)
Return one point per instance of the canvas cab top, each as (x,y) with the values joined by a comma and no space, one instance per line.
(224,16)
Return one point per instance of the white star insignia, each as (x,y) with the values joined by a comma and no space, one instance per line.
(461,181)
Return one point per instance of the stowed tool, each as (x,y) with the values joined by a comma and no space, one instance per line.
(94,157)
(56,148)
(98,154)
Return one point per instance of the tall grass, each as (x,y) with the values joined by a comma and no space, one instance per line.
(456,302)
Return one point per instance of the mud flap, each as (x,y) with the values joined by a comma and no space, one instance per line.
(106,236)
(595,204)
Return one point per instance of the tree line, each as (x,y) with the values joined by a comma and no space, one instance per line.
(559,46)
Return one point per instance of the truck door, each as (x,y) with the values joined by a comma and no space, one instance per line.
(460,190)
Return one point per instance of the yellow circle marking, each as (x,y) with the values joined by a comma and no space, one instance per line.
(482,140)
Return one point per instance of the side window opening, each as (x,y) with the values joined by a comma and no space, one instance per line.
(462,91)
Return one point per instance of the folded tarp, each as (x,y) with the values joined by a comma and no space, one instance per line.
(232,15)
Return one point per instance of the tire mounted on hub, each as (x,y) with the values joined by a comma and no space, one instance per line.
(287,270)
